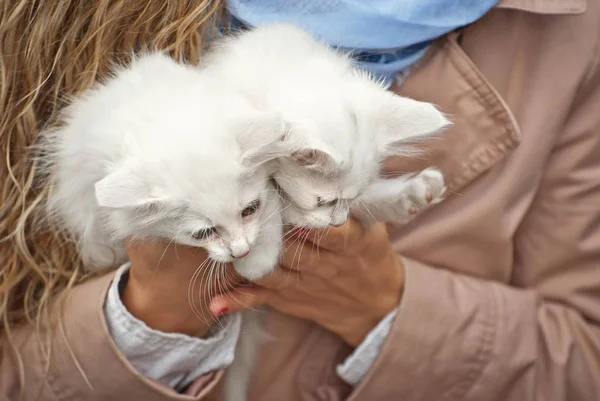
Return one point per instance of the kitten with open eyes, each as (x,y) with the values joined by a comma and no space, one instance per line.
(341,124)
(156,152)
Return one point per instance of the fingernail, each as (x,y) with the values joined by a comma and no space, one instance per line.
(221,311)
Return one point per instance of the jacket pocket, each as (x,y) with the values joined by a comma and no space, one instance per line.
(484,129)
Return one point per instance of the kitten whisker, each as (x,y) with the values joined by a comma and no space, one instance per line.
(162,256)
(366,208)
(191,299)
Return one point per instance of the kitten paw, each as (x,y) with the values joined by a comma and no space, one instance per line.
(425,189)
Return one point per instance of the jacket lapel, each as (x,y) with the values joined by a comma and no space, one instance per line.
(484,129)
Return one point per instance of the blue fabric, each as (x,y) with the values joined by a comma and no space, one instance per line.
(385,36)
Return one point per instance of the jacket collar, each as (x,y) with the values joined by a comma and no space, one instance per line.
(545,6)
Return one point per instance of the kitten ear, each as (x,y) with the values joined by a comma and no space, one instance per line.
(123,188)
(314,159)
(261,137)
(398,121)
(404,122)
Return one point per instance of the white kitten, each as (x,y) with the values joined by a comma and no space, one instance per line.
(342,125)
(156,152)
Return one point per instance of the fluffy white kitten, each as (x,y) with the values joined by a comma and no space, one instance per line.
(159,151)
(341,126)
(341,123)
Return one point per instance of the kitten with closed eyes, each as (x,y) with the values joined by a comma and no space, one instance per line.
(341,125)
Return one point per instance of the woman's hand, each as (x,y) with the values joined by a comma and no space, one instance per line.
(344,279)
(168,286)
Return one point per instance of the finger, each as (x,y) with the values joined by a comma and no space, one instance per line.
(335,239)
(239,300)
(280,278)
(302,310)
(299,254)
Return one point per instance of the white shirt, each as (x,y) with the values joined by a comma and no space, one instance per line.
(178,359)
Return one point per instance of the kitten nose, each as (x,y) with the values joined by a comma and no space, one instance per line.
(338,221)
(239,247)
(240,255)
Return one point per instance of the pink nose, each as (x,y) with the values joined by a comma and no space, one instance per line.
(241,255)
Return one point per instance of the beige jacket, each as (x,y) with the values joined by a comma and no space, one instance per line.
(502,297)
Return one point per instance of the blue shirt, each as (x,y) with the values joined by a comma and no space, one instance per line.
(384,36)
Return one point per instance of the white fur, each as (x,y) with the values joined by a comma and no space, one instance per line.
(342,125)
(156,152)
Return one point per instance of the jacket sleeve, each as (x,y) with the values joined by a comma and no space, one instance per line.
(462,338)
(78,360)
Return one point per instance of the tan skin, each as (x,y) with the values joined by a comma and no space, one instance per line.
(346,284)
(157,289)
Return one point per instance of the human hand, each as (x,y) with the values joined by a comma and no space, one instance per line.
(345,279)
(169,286)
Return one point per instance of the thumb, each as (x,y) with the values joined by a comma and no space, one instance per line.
(335,239)
(239,300)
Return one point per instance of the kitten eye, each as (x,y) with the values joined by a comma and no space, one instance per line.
(321,202)
(251,208)
(203,233)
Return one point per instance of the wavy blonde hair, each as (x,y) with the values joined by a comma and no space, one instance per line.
(49,51)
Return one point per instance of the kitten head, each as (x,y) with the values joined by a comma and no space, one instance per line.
(199,183)
(341,138)
(342,123)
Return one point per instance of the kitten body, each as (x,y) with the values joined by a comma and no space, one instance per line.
(342,124)
(155,152)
